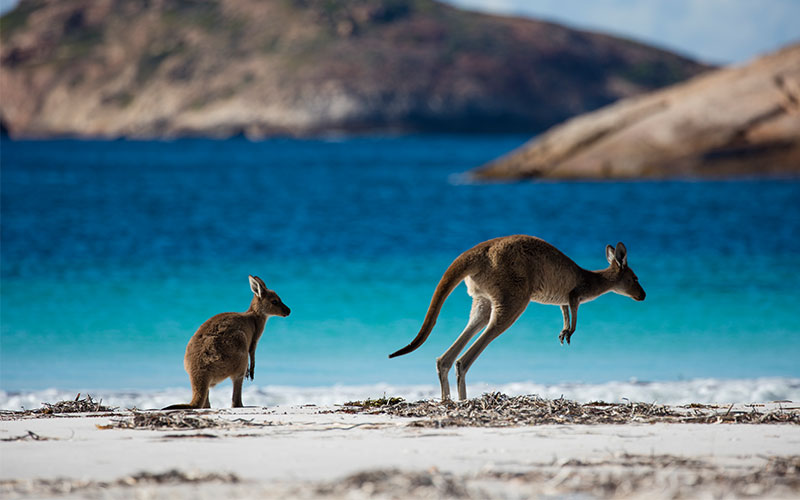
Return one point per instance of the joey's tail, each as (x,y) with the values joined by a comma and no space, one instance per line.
(458,270)
(180,407)
(198,398)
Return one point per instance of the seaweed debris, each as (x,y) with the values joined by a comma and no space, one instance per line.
(375,403)
(175,420)
(626,476)
(499,410)
(68,486)
(77,405)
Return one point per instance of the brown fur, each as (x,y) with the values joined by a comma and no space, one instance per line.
(503,275)
(222,346)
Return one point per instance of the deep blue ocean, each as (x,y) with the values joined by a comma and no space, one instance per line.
(113,253)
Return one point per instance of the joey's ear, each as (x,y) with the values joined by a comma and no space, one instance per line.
(610,254)
(255,286)
(621,255)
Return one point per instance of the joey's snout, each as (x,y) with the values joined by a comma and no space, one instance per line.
(278,308)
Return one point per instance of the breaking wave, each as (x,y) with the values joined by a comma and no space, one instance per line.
(708,391)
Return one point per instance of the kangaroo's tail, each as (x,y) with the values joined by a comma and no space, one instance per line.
(458,270)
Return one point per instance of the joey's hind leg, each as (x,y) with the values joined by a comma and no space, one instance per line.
(237,392)
(503,315)
(200,385)
(478,318)
(239,370)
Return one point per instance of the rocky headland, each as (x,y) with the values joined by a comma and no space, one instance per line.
(737,121)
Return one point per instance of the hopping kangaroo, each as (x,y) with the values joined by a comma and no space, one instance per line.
(220,348)
(502,276)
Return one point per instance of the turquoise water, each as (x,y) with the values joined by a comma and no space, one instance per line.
(114,252)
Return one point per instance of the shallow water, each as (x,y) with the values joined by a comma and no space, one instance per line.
(114,252)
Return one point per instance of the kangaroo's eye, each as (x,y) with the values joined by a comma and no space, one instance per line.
(274,302)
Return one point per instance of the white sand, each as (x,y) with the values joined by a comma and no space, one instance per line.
(307,452)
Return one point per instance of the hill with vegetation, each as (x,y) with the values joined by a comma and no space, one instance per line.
(167,68)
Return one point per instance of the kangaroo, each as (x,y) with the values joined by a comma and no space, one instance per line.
(502,276)
(220,347)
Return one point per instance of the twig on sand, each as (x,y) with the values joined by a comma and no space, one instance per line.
(29,435)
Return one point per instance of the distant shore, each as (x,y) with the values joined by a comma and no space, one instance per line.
(346,451)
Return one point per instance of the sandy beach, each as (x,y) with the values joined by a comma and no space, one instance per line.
(340,452)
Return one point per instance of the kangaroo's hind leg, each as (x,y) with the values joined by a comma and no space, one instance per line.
(569,324)
(478,318)
(504,314)
(564,331)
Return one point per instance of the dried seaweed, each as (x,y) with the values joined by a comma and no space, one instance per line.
(175,420)
(77,405)
(85,405)
(641,476)
(375,403)
(499,410)
(671,476)
(394,483)
(67,486)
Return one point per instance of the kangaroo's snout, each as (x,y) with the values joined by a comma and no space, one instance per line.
(286,311)
(638,293)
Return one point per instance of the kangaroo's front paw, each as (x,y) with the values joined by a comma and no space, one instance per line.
(251,372)
(564,335)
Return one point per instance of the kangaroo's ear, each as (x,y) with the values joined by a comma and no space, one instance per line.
(610,254)
(621,255)
(255,286)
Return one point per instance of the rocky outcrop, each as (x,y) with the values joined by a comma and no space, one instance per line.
(741,120)
(165,68)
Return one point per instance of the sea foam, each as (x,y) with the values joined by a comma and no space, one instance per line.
(709,391)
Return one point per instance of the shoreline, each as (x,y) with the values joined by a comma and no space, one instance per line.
(326,452)
(701,390)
